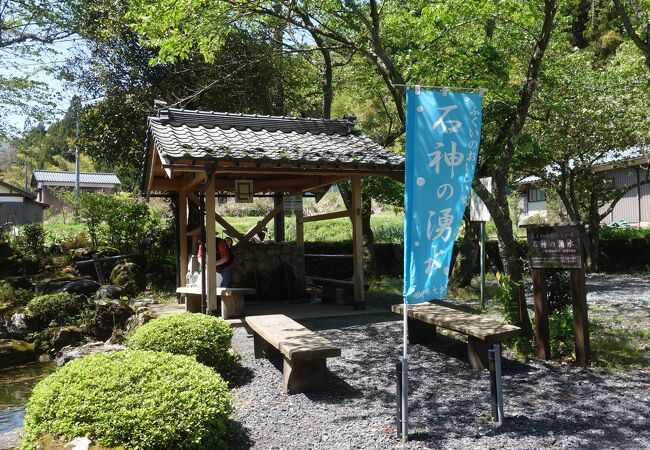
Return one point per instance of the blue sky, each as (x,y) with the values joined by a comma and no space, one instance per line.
(12,64)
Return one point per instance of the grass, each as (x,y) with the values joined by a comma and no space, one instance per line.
(386,226)
(619,348)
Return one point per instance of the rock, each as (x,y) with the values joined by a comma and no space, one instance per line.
(18,282)
(142,316)
(14,352)
(45,358)
(141,302)
(49,286)
(66,336)
(81,287)
(109,315)
(110,292)
(10,439)
(80,443)
(118,337)
(81,254)
(129,275)
(68,354)
(16,326)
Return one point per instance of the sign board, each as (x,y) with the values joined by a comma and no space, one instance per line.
(478,212)
(292,203)
(243,191)
(554,246)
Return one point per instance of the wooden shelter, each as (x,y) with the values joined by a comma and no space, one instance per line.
(191,151)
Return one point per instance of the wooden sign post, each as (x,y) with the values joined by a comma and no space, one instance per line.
(558,246)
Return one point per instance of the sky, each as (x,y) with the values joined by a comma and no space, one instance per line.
(56,54)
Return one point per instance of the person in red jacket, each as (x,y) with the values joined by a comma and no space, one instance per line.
(225,262)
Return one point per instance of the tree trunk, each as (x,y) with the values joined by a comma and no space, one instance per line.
(464,267)
(369,257)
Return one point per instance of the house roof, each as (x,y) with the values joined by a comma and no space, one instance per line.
(612,159)
(85,178)
(16,190)
(179,134)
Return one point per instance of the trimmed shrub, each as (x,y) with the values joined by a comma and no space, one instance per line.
(58,308)
(206,338)
(132,399)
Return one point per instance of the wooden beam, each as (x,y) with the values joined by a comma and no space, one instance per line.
(326,216)
(197,181)
(161,184)
(357,246)
(230,230)
(262,223)
(211,266)
(192,196)
(182,235)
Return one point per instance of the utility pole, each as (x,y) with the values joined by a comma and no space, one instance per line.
(76,102)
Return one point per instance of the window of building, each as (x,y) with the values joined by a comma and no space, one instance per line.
(536,195)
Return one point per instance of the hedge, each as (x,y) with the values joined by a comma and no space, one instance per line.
(132,399)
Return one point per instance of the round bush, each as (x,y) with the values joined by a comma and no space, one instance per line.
(58,308)
(133,399)
(207,338)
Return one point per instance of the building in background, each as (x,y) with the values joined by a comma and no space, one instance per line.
(18,207)
(47,181)
(628,168)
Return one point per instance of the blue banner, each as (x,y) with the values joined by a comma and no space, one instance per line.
(443,131)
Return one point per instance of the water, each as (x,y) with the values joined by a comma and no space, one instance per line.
(16,384)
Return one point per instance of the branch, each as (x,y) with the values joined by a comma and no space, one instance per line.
(621,194)
(625,18)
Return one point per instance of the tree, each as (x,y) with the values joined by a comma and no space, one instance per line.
(635,16)
(589,112)
(27,28)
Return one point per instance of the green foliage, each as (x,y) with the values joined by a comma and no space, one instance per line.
(203,337)
(558,288)
(560,324)
(624,233)
(33,239)
(507,298)
(134,400)
(13,298)
(57,309)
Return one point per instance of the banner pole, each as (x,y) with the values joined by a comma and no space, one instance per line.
(405,389)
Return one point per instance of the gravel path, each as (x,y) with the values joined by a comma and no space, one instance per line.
(547,405)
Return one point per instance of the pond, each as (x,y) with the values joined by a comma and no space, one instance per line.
(16,384)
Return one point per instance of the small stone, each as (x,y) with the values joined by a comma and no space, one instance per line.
(80,443)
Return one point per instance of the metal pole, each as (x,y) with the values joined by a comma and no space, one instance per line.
(482,299)
(497,370)
(493,385)
(405,388)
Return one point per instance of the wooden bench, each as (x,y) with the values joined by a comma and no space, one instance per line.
(482,332)
(232,300)
(330,286)
(304,352)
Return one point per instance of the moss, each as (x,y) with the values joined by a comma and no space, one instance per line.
(14,352)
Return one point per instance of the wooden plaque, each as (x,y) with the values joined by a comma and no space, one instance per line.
(554,246)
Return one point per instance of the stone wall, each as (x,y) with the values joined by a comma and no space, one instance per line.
(276,271)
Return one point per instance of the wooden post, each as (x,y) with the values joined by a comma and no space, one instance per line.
(182,235)
(580,317)
(211,247)
(278,221)
(300,231)
(541,314)
(357,245)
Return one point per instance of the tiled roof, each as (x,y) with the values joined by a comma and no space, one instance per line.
(197,135)
(52,176)
(16,190)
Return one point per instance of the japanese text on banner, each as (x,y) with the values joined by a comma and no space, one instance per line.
(442,140)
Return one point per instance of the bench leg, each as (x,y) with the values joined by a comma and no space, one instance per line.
(303,376)
(477,351)
(192,303)
(420,332)
(232,306)
(263,349)
(328,294)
